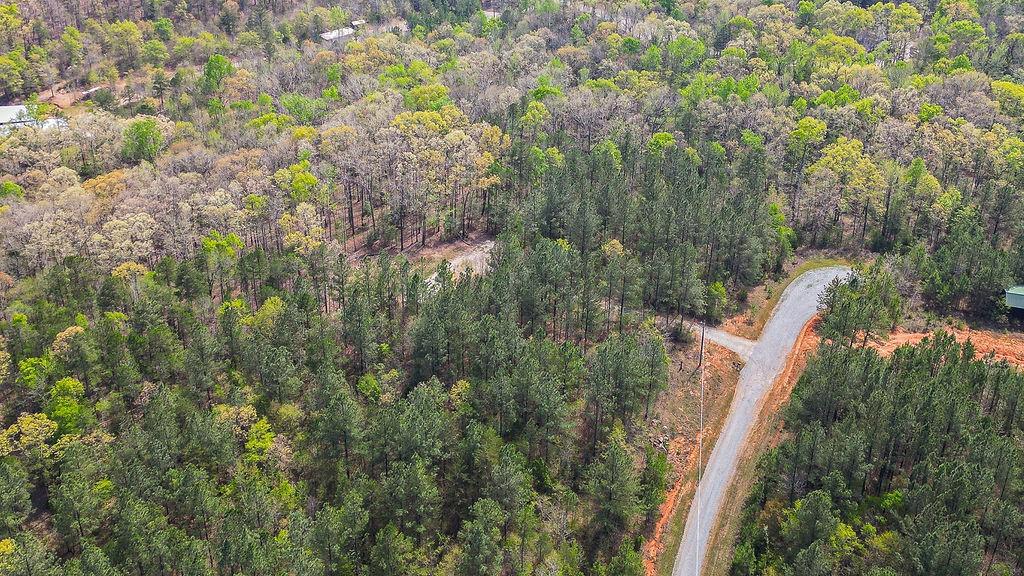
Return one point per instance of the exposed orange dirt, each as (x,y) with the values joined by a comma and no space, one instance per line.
(676,428)
(60,96)
(1007,346)
(654,546)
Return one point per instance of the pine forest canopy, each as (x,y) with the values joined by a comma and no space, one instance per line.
(201,372)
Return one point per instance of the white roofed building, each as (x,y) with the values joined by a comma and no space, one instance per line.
(340,35)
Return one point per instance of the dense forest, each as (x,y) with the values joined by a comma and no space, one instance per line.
(219,356)
(903,465)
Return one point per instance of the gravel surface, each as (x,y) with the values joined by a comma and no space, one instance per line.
(765,361)
(738,344)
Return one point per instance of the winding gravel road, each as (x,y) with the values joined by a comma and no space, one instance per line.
(765,360)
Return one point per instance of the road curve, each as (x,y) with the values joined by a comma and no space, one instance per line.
(766,360)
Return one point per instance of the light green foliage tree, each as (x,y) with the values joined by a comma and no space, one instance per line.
(72,48)
(305,110)
(717,298)
(11,23)
(808,134)
(1010,96)
(217,68)
(298,181)
(427,97)
(142,140)
(12,68)
(67,407)
(126,44)
(221,251)
(853,180)
(154,53)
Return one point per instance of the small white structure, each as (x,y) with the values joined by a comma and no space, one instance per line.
(358,23)
(339,35)
(13,117)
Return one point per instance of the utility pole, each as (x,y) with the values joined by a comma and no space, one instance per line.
(700,443)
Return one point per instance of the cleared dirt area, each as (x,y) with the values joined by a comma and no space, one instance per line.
(1007,346)
(471,253)
(470,256)
(473,257)
(675,428)
(61,96)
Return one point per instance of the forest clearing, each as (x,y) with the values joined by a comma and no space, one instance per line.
(1002,345)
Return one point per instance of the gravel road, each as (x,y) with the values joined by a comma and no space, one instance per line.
(765,361)
(738,344)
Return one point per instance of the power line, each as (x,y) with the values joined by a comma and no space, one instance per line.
(700,446)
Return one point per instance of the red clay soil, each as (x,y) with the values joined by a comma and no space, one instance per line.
(1002,346)
(722,373)
(655,545)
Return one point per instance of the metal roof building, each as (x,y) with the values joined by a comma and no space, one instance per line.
(1015,297)
(14,115)
(337,35)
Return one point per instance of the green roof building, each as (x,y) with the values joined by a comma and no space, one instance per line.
(1015,297)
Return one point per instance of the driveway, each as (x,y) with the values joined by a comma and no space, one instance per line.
(765,360)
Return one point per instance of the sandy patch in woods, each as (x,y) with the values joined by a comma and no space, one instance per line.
(766,433)
(1007,346)
(471,252)
(60,96)
(675,428)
